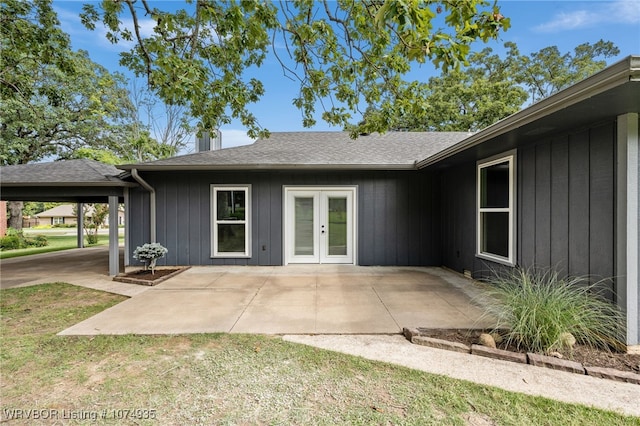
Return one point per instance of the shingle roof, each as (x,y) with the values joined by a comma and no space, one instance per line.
(393,150)
(81,172)
(65,210)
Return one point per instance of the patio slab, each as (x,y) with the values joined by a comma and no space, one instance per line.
(293,300)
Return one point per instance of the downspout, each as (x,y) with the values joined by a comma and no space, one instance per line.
(152,203)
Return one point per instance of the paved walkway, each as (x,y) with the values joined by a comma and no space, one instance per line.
(293,299)
(559,385)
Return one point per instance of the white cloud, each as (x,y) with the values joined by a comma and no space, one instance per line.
(235,137)
(620,11)
(71,24)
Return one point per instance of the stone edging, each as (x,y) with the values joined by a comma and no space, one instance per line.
(413,335)
(124,279)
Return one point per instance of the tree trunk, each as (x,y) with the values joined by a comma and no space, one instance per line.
(15,214)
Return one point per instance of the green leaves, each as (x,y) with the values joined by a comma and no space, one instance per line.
(488,89)
(55,100)
(345,55)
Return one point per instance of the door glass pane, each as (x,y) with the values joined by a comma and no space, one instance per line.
(337,226)
(231,238)
(230,205)
(303,226)
(495,233)
(495,186)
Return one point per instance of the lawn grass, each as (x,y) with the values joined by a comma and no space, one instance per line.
(230,378)
(56,243)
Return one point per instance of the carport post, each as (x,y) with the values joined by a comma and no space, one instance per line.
(114,251)
(80,223)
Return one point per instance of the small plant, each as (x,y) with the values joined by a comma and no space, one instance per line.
(15,239)
(539,309)
(149,253)
(92,238)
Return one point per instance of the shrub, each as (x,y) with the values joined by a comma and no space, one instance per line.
(37,241)
(15,239)
(92,239)
(538,308)
(10,242)
(149,253)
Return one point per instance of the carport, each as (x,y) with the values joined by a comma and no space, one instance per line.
(76,181)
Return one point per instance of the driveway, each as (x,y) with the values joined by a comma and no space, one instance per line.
(294,299)
(86,267)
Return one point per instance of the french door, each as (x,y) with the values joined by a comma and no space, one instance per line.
(319,225)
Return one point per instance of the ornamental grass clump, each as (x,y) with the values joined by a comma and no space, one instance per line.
(537,308)
(149,253)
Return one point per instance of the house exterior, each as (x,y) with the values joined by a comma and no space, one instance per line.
(555,185)
(67,214)
(58,215)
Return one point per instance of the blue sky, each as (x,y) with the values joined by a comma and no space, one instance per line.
(534,25)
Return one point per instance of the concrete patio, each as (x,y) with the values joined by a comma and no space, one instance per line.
(293,300)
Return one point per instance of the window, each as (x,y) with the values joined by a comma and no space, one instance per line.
(58,220)
(230,221)
(496,185)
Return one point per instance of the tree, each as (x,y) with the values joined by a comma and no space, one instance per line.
(170,124)
(548,71)
(53,112)
(343,54)
(54,100)
(94,216)
(490,88)
(466,99)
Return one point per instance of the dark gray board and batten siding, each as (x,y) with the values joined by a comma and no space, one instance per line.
(396,215)
(565,207)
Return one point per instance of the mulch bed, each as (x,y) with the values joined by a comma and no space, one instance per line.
(145,277)
(585,355)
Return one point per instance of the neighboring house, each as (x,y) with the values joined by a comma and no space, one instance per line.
(555,185)
(59,215)
(65,214)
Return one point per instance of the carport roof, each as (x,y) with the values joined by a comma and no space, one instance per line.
(80,172)
(71,181)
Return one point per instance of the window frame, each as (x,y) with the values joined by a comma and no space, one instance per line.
(510,158)
(215,188)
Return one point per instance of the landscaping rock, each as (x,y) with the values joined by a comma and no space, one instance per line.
(498,354)
(410,333)
(441,344)
(487,340)
(497,337)
(613,374)
(567,340)
(555,363)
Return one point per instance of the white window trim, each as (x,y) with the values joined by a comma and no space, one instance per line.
(509,157)
(214,222)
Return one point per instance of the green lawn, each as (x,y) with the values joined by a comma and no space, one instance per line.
(56,243)
(229,378)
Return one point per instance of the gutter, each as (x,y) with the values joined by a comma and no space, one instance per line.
(152,203)
(268,166)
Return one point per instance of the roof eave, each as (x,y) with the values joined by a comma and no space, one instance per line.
(617,74)
(258,166)
(69,184)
